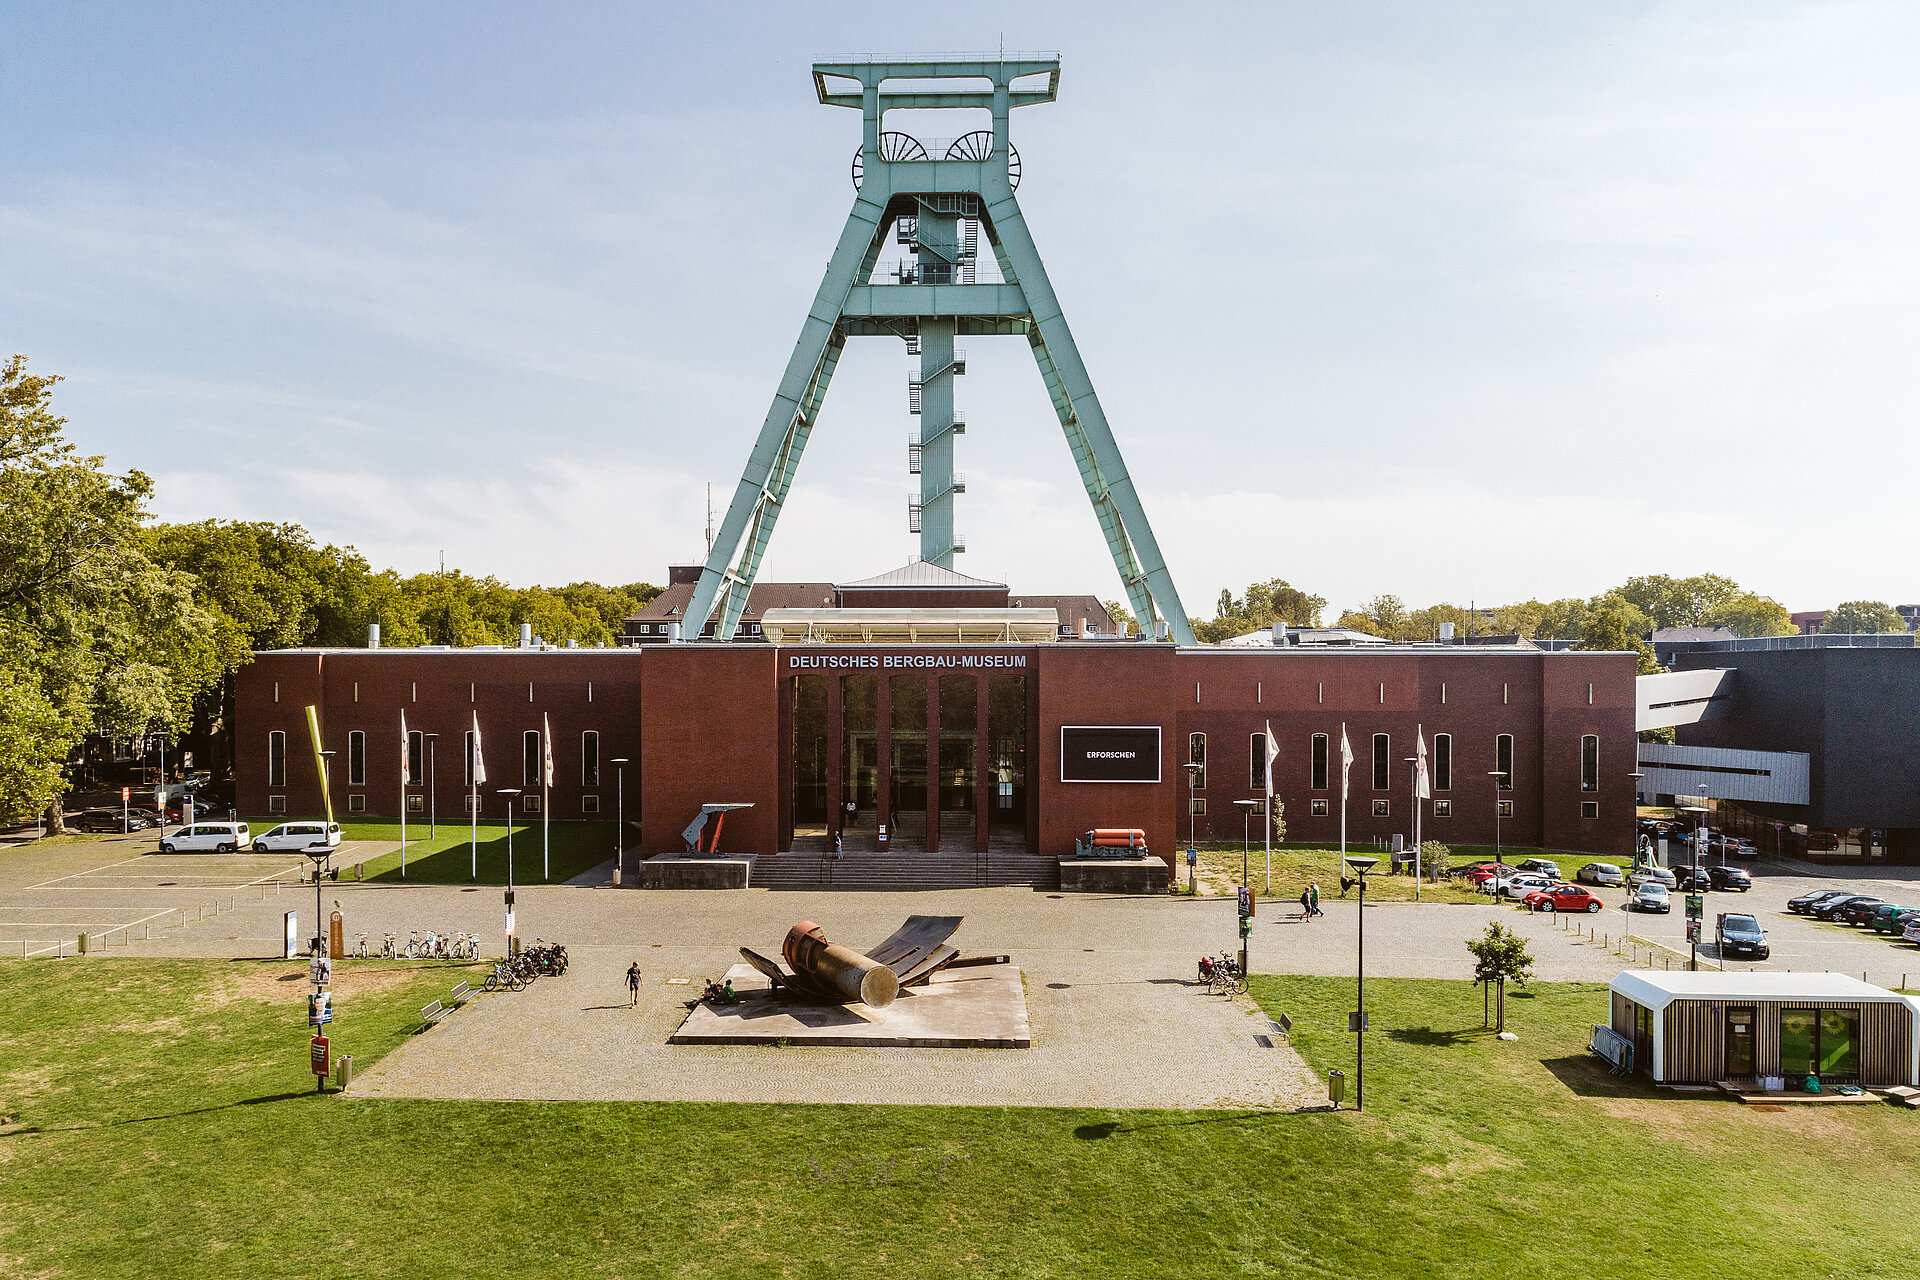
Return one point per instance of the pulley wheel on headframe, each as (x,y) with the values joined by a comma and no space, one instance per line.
(893,146)
(978,145)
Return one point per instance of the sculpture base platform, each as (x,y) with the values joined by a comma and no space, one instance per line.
(983,1007)
(671,871)
(1113,875)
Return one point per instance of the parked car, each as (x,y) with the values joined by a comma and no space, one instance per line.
(1858,911)
(1692,878)
(1744,849)
(1823,910)
(1740,935)
(1912,932)
(110,820)
(1651,895)
(1890,917)
(1488,870)
(215,837)
(298,837)
(1543,866)
(1601,873)
(1730,879)
(1520,884)
(1657,875)
(1562,897)
(1807,901)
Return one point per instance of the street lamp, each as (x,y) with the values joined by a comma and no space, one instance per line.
(1636,776)
(509,793)
(619,818)
(1246,818)
(1496,775)
(433,788)
(1193,774)
(1358,1022)
(318,855)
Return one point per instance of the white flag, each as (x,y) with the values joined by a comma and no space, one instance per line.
(1346,761)
(479,760)
(1273,753)
(1422,788)
(546,745)
(406,752)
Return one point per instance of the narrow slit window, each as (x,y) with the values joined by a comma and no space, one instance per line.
(1503,760)
(530,758)
(1443,762)
(356,759)
(1197,756)
(590,758)
(1319,779)
(276,759)
(1382,761)
(1590,762)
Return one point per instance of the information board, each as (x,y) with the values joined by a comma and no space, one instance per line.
(1109,753)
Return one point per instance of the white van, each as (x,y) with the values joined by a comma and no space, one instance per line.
(217,837)
(298,837)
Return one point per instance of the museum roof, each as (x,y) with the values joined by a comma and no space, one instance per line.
(923,575)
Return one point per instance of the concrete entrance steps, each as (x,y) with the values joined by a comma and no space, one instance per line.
(880,871)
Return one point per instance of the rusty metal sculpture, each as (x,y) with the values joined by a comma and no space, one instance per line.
(829,973)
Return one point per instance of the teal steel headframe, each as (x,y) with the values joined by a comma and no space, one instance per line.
(939,199)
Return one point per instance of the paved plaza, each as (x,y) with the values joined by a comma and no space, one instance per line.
(1116,1018)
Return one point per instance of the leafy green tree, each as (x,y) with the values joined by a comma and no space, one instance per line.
(1266,603)
(1748,615)
(1500,956)
(1606,632)
(1862,618)
(1123,617)
(104,638)
(1424,624)
(1679,602)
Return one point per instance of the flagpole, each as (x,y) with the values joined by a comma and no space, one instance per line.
(1419,785)
(1271,752)
(546,781)
(1343,797)
(404,762)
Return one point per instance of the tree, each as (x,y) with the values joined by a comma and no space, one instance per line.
(1862,618)
(1500,956)
(1279,820)
(1748,615)
(1265,604)
(97,637)
(1606,632)
(1123,617)
(1434,858)
(1679,602)
(1384,615)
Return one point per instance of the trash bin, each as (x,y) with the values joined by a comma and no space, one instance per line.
(343,1070)
(83,944)
(1337,1087)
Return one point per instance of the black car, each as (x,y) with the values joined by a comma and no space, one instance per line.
(1730,878)
(1807,901)
(1740,935)
(1858,910)
(1824,910)
(108,820)
(1687,878)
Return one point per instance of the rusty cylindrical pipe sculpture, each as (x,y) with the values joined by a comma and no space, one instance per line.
(839,968)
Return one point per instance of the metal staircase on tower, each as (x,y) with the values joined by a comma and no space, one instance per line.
(938,200)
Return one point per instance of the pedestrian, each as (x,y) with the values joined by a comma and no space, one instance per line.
(1313,891)
(1306,904)
(839,844)
(633,984)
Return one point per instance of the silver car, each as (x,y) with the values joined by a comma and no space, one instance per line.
(1601,873)
(1651,874)
(1651,896)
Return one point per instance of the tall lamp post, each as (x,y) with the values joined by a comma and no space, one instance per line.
(1193,774)
(509,793)
(433,788)
(1246,818)
(619,818)
(1636,776)
(1496,775)
(318,855)
(1358,1022)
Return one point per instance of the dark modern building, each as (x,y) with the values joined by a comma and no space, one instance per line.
(1838,722)
(937,735)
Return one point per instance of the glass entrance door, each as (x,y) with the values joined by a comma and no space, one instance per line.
(1739,1044)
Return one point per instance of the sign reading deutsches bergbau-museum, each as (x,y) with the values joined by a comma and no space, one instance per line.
(1109,753)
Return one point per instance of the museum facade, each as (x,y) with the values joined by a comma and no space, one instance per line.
(961,744)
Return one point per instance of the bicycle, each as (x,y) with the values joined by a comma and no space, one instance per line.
(505,975)
(362,952)
(389,946)
(413,944)
(1223,975)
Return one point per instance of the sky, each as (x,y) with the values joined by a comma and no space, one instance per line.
(1461,302)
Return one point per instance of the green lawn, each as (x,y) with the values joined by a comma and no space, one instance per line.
(448,858)
(1297,865)
(160,1121)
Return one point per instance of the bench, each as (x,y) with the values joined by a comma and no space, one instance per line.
(1282,1027)
(432,1013)
(460,995)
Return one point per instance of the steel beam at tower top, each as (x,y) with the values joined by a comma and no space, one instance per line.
(940,199)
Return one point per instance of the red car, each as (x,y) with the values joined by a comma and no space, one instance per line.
(1562,897)
(1488,870)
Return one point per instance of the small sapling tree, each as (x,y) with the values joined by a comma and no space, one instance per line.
(1500,955)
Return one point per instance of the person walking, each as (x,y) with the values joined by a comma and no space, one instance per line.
(1306,904)
(1313,892)
(633,984)
(839,844)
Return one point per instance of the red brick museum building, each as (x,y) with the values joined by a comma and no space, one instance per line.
(956,747)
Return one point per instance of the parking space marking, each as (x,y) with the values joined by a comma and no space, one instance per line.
(56,924)
(91,871)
